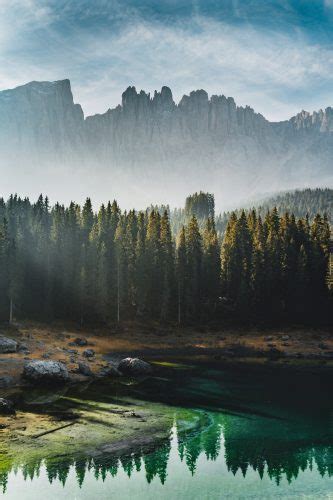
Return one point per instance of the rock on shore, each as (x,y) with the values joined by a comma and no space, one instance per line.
(134,366)
(7,345)
(6,407)
(46,372)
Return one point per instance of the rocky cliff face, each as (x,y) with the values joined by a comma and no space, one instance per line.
(40,120)
(210,140)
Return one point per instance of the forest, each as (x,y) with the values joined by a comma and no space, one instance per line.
(302,202)
(74,264)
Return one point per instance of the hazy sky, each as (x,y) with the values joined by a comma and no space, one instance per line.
(275,55)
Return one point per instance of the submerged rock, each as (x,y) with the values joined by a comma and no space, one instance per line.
(6,407)
(7,345)
(134,366)
(46,372)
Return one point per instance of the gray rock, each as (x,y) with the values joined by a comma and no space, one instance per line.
(46,355)
(80,342)
(85,369)
(134,366)
(22,347)
(89,353)
(274,353)
(285,337)
(6,381)
(6,407)
(46,372)
(7,345)
(109,371)
(269,338)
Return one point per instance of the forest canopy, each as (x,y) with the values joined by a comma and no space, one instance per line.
(72,263)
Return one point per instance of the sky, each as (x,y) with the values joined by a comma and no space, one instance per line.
(274,55)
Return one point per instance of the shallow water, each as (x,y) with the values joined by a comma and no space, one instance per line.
(233,436)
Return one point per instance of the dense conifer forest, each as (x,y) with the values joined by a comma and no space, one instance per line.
(71,263)
(302,203)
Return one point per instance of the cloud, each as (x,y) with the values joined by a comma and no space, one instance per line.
(275,71)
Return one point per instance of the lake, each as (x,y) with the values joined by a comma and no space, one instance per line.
(232,435)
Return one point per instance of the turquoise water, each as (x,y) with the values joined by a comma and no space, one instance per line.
(244,437)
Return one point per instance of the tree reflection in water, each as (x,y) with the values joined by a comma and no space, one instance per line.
(276,448)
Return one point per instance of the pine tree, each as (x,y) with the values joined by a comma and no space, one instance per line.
(194,269)
(167,269)
(211,266)
(181,275)
(4,271)
(153,249)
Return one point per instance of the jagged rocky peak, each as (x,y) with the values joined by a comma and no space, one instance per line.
(197,99)
(321,120)
(132,98)
(40,121)
(163,100)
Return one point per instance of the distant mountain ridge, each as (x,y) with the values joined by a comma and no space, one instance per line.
(217,144)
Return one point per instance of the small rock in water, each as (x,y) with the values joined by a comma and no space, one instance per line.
(285,337)
(6,407)
(7,345)
(89,353)
(134,366)
(46,355)
(269,338)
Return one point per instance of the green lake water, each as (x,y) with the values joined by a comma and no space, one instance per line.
(233,436)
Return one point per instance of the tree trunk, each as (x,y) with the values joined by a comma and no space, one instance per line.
(179,317)
(11,311)
(118,291)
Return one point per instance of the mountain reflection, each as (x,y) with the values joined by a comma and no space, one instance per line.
(269,447)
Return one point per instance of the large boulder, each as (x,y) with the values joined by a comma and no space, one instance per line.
(7,345)
(46,372)
(134,366)
(6,407)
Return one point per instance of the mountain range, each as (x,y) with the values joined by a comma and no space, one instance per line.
(150,149)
